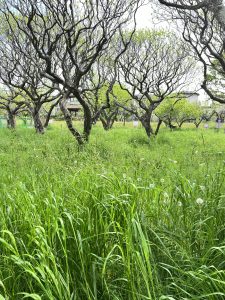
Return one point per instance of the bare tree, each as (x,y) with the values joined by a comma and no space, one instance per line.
(203,24)
(154,66)
(102,91)
(97,85)
(20,70)
(68,37)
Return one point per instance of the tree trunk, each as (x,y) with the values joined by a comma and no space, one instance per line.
(107,125)
(158,127)
(146,123)
(87,123)
(49,114)
(124,121)
(108,120)
(11,120)
(69,122)
(147,130)
(197,124)
(37,122)
(104,123)
(47,120)
(169,124)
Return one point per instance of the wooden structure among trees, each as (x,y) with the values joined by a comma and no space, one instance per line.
(72,105)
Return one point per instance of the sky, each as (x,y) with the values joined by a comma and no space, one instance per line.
(144,17)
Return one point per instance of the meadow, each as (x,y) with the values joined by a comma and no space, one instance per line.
(120,219)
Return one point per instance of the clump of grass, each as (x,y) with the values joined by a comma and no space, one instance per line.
(138,140)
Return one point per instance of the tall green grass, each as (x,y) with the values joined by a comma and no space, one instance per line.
(122,218)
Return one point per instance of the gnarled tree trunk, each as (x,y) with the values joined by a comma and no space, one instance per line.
(11,120)
(49,114)
(108,119)
(87,123)
(105,123)
(69,122)
(146,123)
(39,128)
(158,126)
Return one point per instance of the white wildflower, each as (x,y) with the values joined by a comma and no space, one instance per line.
(199,201)
(165,198)
(151,185)
(202,188)
(166,195)
(165,201)
(9,209)
(179,203)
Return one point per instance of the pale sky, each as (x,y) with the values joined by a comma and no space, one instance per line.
(144,17)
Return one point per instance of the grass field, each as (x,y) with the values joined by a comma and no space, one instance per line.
(121,218)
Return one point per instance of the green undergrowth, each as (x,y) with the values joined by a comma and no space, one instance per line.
(121,218)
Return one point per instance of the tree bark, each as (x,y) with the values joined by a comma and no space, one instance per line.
(47,120)
(49,114)
(11,120)
(104,123)
(108,119)
(146,123)
(107,124)
(87,123)
(158,126)
(69,123)
(37,122)
(124,121)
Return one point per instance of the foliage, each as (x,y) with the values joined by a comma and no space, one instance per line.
(143,35)
(178,110)
(117,94)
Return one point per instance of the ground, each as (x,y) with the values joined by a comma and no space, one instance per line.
(122,218)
